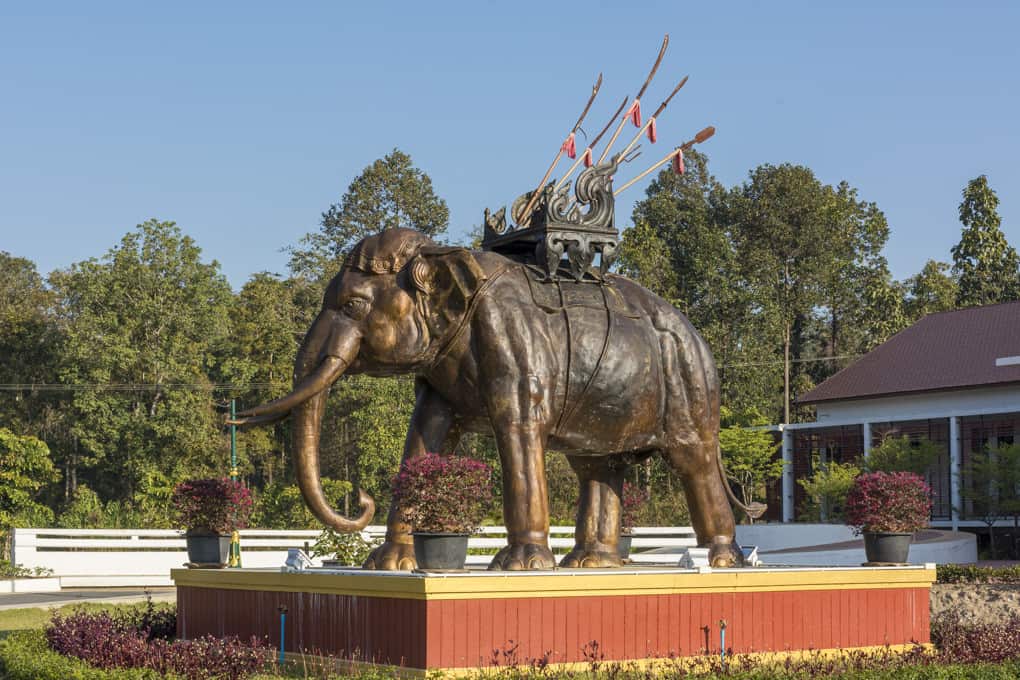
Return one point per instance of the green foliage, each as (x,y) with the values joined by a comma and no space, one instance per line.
(990,489)
(971,573)
(25,468)
(749,456)
(282,507)
(8,570)
(903,454)
(24,655)
(827,489)
(149,313)
(932,290)
(391,192)
(348,549)
(986,266)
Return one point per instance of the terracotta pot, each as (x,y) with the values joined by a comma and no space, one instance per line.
(888,547)
(440,551)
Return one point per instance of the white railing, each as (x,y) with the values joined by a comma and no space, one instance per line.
(144,557)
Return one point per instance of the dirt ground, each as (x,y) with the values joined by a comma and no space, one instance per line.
(976,603)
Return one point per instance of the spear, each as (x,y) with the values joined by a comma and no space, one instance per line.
(591,145)
(650,123)
(635,107)
(698,139)
(567,145)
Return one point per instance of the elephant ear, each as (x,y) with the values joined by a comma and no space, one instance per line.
(445,280)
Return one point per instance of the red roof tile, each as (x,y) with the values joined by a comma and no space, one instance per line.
(945,351)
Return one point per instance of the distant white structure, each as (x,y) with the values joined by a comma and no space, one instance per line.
(952,378)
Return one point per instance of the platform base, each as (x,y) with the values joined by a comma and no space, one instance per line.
(456,622)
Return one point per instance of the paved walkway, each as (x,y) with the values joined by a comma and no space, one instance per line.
(79,595)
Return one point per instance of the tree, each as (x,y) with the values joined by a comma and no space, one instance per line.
(29,346)
(827,489)
(903,454)
(267,320)
(931,290)
(990,488)
(681,248)
(142,324)
(749,453)
(804,246)
(391,192)
(985,264)
(25,469)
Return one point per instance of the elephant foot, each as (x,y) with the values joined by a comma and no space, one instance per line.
(581,558)
(392,557)
(522,557)
(725,553)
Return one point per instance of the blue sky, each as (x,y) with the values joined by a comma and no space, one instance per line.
(244,121)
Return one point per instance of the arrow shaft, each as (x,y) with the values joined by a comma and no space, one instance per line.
(648,123)
(594,142)
(700,137)
(648,80)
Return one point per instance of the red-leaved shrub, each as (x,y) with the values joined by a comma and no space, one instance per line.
(888,502)
(216,506)
(443,494)
(110,641)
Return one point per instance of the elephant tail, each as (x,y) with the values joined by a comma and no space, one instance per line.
(755,509)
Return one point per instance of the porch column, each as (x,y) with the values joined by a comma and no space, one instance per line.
(954,470)
(866,430)
(787,474)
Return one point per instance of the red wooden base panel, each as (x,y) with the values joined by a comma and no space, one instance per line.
(459,633)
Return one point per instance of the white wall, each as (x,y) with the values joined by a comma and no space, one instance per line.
(1004,399)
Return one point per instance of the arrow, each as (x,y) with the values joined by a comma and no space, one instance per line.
(591,146)
(637,99)
(567,144)
(698,139)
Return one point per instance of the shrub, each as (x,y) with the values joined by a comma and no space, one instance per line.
(633,498)
(969,573)
(217,506)
(141,639)
(443,494)
(9,570)
(958,642)
(827,489)
(903,454)
(888,502)
(347,548)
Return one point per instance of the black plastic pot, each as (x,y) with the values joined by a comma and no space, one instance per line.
(208,550)
(887,547)
(623,545)
(440,551)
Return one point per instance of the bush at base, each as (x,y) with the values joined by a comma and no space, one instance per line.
(25,655)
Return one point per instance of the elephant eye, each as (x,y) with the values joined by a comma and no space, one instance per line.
(355,307)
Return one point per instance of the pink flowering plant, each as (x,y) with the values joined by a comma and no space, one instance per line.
(443,494)
(892,502)
(212,506)
(633,498)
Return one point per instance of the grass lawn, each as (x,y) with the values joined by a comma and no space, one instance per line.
(37,617)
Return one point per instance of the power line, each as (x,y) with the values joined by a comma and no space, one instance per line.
(240,387)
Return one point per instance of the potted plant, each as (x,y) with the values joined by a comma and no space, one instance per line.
(341,549)
(633,498)
(444,499)
(209,510)
(888,507)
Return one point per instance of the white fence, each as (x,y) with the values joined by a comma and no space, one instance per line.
(144,557)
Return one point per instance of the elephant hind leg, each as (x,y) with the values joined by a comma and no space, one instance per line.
(598,513)
(711,514)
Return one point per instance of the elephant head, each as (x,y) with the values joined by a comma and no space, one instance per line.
(388,311)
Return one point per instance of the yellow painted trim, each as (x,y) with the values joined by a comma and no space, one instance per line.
(688,664)
(561,584)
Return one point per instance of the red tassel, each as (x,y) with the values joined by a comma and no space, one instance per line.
(651,130)
(570,147)
(634,113)
(678,162)
(588,162)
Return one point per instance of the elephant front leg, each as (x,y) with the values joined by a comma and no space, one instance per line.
(598,514)
(432,430)
(525,499)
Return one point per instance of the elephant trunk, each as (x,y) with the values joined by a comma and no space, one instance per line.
(334,349)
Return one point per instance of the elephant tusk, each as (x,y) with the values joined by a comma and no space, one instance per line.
(320,379)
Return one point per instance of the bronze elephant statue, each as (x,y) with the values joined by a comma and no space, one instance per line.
(606,373)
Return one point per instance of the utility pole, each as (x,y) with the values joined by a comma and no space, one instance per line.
(235,536)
